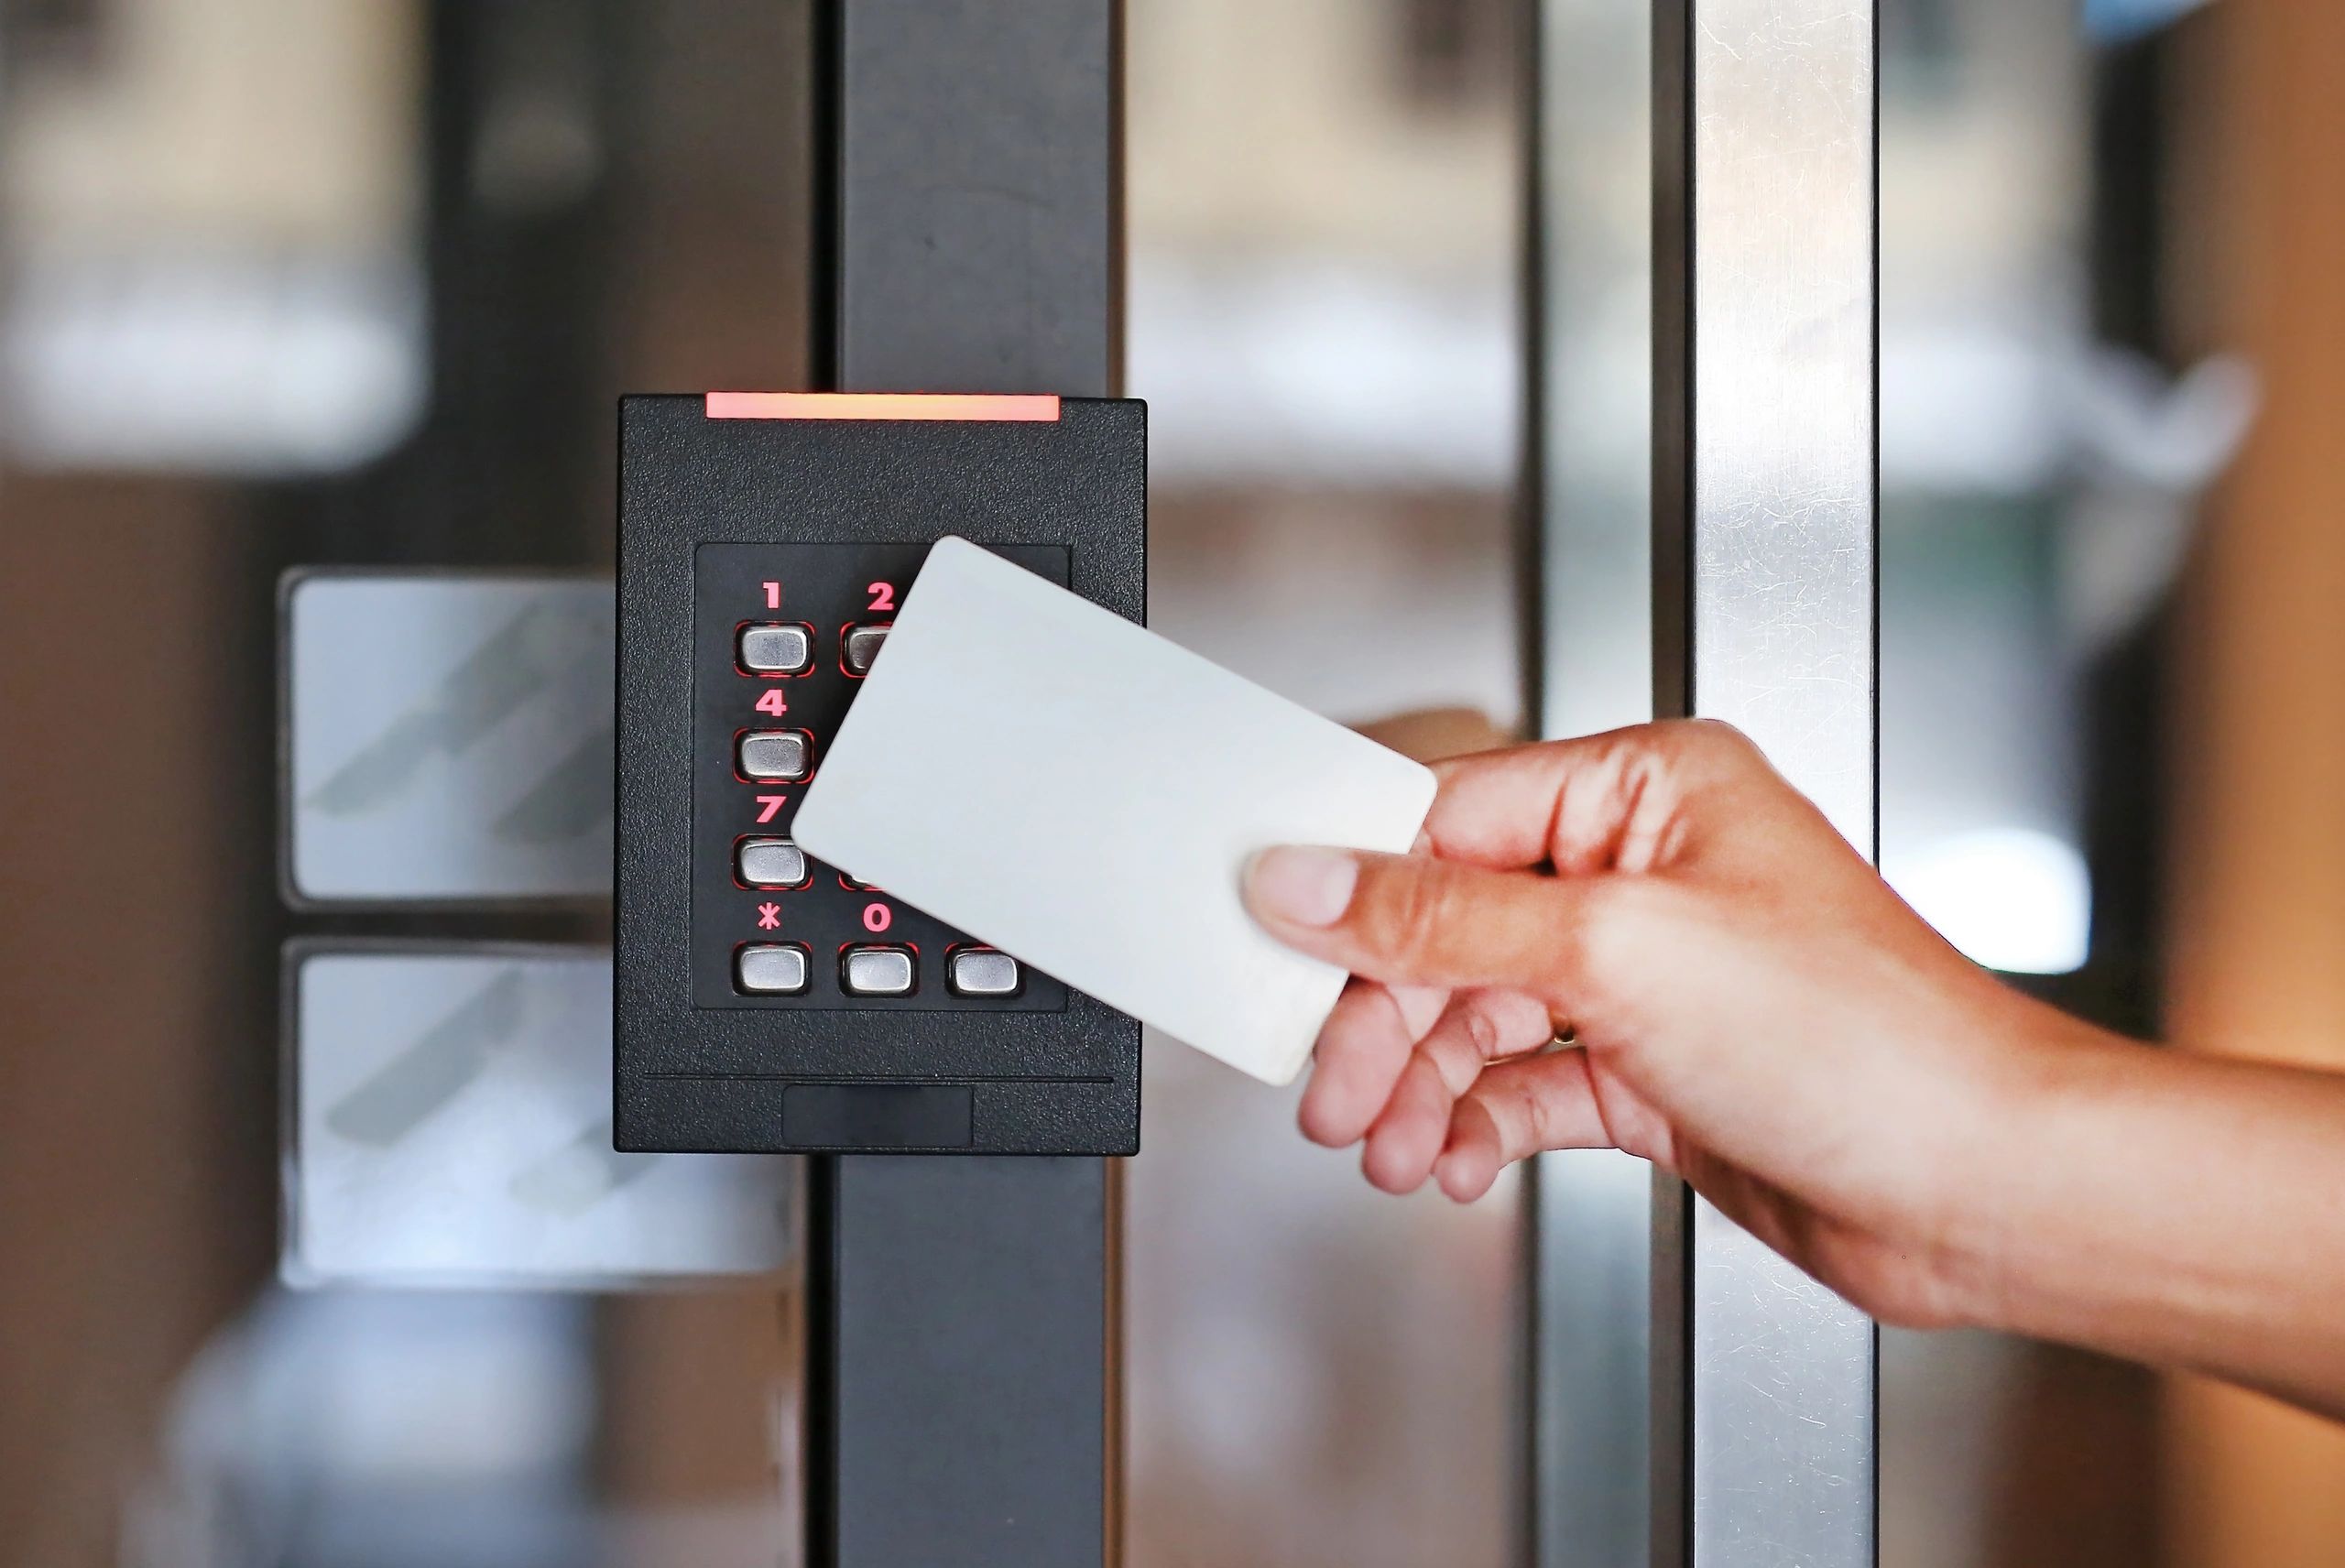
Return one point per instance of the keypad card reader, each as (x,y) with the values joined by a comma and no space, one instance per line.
(765,1001)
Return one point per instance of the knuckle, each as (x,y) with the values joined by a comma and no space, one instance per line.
(1481,1029)
(1536,1121)
(1541,1123)
(1404,908)
(1412,905)
(1718,742)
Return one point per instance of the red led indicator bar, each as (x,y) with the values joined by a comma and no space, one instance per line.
(882,406)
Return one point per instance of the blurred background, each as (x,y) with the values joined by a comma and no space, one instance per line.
(284,284)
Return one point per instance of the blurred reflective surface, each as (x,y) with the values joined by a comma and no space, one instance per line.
(288,284)
(2051,417)
(1323,228)
(297,286)
(443,739)
(449,1125)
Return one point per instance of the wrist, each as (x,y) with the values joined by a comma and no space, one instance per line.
(2001,1200)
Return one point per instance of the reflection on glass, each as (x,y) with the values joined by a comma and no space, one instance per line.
(448,737)
(450,1125)
(289,284)
(1323,321)
(2045,436)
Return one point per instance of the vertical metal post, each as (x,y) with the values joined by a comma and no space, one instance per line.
(962,1383)
(1765,534)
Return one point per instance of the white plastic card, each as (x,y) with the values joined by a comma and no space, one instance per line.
(1083,794)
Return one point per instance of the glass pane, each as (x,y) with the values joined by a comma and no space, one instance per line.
(1323,279)
(448,737)
(293,286)
(448,1123)
(2013,558)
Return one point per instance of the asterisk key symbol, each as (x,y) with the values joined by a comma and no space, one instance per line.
(768,917)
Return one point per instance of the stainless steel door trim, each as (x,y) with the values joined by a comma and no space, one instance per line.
(1757,1443)
(1766,555)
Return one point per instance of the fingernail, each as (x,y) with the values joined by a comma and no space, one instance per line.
(1305,887)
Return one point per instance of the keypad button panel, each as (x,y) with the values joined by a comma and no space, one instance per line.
(764,704)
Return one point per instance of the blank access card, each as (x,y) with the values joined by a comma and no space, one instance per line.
(1083,794)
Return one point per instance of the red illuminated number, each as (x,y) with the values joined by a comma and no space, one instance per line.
(877,917)
(774,596)
(768,805)
(883,596)
(770,702)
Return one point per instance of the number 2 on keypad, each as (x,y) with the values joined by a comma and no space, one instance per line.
(883,596)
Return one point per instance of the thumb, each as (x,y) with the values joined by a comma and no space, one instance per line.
(1419,920)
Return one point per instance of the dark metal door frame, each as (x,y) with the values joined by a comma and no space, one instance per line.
(962,1374)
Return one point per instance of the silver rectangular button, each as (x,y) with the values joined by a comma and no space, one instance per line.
(878,971)
(783,756)
(770,969)
(862,647)
(776,650)
(982,971)
(770,863)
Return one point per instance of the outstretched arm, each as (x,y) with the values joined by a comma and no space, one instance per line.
(1754,1010)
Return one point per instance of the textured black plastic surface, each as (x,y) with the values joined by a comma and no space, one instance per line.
(702,1070)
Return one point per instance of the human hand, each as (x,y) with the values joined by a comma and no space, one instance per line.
(1754,1008)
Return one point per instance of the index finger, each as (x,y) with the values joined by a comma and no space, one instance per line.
(1572,802)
